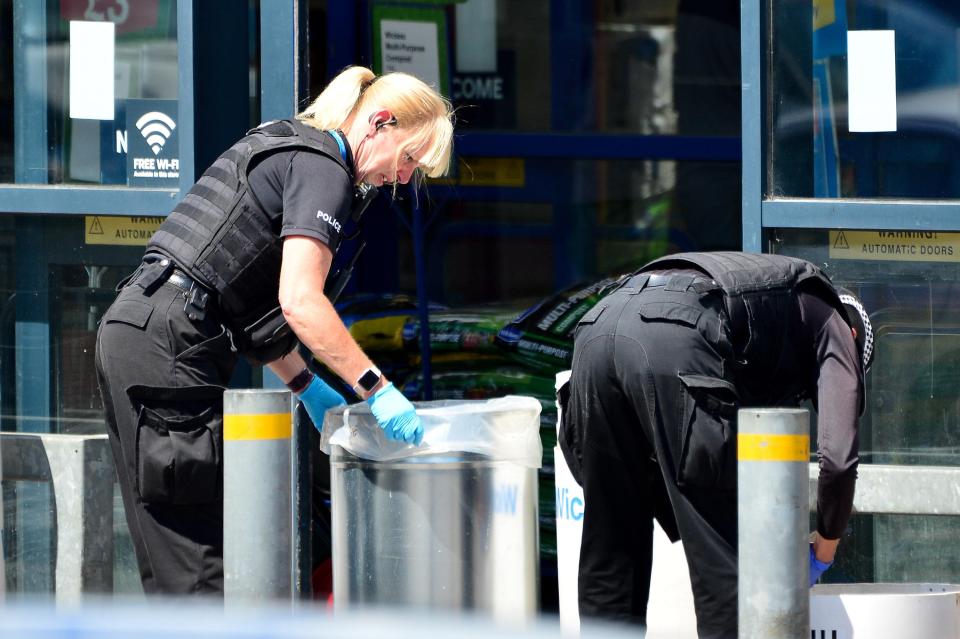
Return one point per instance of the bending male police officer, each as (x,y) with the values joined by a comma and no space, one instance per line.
(660,367)
(240,266)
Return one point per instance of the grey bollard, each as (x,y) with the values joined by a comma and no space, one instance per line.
(81,472)
(773,451)
(257,495)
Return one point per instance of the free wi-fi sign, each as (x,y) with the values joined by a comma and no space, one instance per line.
(152,143)
(156,128)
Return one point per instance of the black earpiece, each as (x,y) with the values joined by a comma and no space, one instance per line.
(392,120)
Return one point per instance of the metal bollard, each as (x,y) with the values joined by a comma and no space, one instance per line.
(257,495)
(773,451)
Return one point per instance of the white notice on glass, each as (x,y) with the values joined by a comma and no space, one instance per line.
(477,36)
(411,47)
(871,81)
(91,70)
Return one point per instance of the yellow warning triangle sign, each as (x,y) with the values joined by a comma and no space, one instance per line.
(95,228)
(841,241)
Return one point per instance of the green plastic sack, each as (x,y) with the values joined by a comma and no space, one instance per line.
(458,330)
(542,336)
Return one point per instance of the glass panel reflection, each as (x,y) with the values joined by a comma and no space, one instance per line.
(662,67)
(47,146)
(813,152)
(54,287)
(912,414)
(913,407)
(897,549)
(567,221)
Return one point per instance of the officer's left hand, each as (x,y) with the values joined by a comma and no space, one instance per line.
(396,415)
(817,567)
(318,397)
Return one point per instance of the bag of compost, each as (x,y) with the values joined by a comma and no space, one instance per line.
(376,321)
(458,330)
(542,336)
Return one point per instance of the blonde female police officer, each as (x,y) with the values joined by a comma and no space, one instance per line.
(660,367)
(239,267)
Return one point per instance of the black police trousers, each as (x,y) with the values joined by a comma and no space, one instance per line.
(162,377)
(651,385)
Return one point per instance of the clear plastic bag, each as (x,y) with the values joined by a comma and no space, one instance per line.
(502,429)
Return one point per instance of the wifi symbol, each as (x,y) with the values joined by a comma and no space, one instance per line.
(156,127)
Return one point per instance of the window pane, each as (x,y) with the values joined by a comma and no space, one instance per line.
(566,221)
(813,152)
(6,90)
(663,67)
(54,288)
(912,412)
(45,83)
(897,549)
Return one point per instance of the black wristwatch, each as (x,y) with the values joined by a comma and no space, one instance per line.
(367,381)
(299,383)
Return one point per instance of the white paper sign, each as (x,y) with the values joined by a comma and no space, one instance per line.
(477,36)
(91,70)
(411,47)
(871,81)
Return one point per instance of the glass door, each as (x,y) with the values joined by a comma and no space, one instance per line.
(875,201)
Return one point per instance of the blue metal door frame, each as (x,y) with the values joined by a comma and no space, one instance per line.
(283,93)
(34,254)
(282,41)
(36,246)
(570,21)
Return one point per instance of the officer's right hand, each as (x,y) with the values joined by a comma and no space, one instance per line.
(817,567)
(396,415)
(317,398)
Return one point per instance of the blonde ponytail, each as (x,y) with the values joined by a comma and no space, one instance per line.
(338,100)
(416,106)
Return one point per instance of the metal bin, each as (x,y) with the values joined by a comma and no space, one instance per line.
(434,527)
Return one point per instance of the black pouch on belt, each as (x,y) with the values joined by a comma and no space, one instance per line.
(153,275)
(266,338)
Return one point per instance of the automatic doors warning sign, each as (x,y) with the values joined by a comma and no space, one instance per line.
(95,227)
(124,231)
(895,246)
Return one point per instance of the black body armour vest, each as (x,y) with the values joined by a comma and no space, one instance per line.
(760,298)
(221,235)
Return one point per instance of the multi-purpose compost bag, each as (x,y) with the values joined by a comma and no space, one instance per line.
(458,330)
(542,336)
(376,321)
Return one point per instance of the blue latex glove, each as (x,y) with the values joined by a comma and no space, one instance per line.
(396,415)
(317,398)
(817,567)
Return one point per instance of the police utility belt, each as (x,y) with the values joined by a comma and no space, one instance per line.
(261,338)
(679,282)
(157,269)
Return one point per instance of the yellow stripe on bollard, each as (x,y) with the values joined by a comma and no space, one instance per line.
(265,426)
(771,447)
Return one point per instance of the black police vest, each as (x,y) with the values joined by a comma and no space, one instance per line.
(221,235)
(760,298)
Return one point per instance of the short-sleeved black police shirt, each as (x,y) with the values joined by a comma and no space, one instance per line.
(311,192)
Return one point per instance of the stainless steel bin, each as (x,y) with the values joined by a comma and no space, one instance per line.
(453,529)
